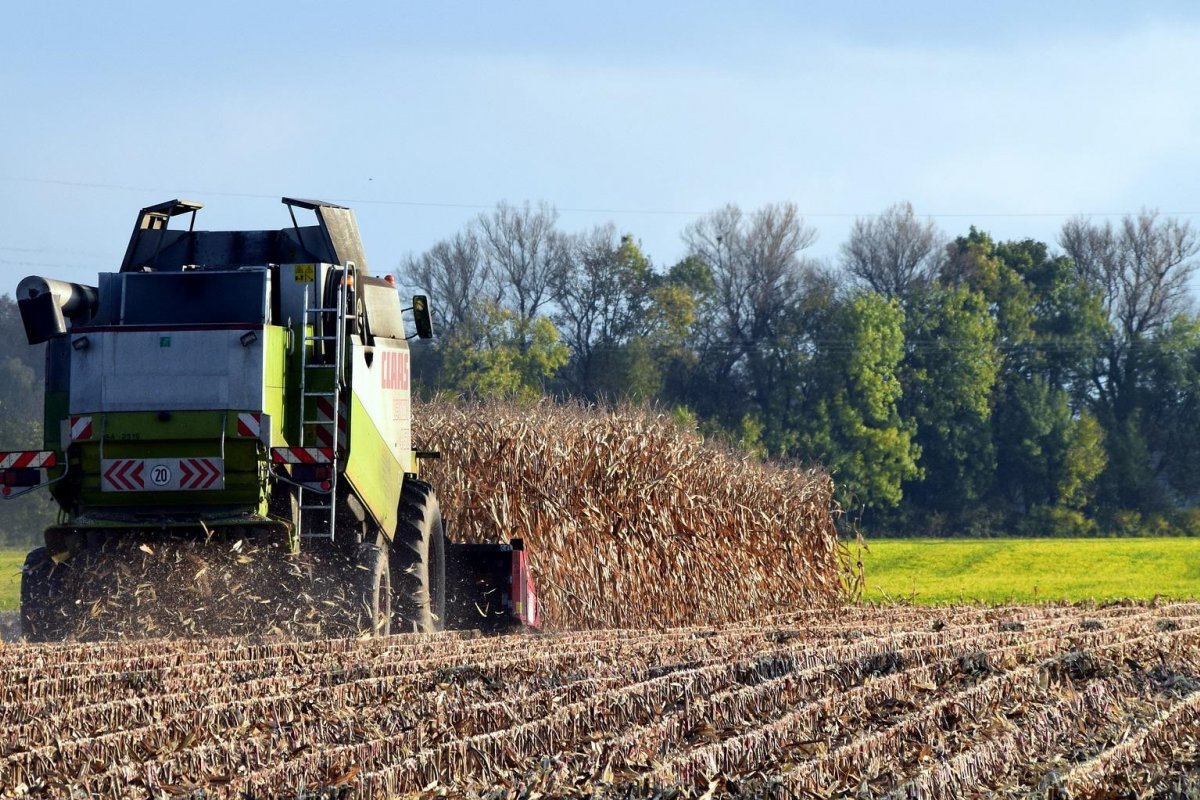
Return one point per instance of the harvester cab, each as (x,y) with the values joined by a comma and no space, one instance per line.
(239,389)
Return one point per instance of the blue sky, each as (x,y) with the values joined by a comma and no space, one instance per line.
(1008,116)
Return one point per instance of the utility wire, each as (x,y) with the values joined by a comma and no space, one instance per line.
(579,210)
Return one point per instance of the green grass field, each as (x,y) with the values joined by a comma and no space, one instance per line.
(10,578)
(971,570)
(1023,570)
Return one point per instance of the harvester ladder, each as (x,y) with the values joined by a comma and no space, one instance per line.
(328,374)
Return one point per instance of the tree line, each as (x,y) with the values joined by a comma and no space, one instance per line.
(954,385)
(22,387)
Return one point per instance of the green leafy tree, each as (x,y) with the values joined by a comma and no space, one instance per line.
(1083,462)
(851,421)
(1171,404)
(22,387)
(949,376)
(498,353)
(1046,325)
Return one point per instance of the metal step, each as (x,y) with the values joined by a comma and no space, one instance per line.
(313,500)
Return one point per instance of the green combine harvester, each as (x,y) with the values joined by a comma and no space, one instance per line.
(228,435)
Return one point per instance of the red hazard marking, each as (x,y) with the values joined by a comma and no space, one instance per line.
(301,455)
(208,473)
(325,409)
(28,458)
(125,475)
(81,428)
(324,435)
(197,473)
(249,424)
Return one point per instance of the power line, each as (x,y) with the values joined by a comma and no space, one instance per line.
(585,210)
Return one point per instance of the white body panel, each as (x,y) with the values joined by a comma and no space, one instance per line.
(168,369)
(383,389)
(161,474)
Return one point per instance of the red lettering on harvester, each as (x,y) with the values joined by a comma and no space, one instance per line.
(395,370)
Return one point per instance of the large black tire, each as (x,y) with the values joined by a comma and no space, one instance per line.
(42,614)
(419,560)
(373,590)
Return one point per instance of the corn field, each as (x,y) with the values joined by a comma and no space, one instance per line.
(1065,702)
(630,522)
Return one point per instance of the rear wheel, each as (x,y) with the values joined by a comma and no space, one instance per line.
(373,580)
(419,560)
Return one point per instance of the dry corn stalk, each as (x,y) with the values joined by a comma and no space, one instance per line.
(630,521)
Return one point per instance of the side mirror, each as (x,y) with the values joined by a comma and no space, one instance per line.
(424,323)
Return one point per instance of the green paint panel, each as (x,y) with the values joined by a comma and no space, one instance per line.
(181,434)
(56,407)
(275,378)
(372,469)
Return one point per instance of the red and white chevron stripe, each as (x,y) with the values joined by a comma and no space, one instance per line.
(28,459)
(198,473)
(302,455)
(249,424)
(162,474)
(123,475)
(325,418)
(81,428)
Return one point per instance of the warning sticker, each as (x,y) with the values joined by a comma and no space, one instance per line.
(161,474)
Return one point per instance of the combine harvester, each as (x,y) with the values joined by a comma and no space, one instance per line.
(242,395)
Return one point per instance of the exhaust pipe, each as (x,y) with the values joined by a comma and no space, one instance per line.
(45,305)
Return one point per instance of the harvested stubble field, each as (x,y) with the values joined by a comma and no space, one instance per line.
(1060,701)
(634,531)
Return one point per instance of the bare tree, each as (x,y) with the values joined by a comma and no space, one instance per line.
(1141,268)
(592,292)
(454,272)
(525,254)
(1141,271)
(602,301)
(756,265)
(894,253)
(761,280)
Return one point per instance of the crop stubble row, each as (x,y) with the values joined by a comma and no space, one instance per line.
(913,702)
